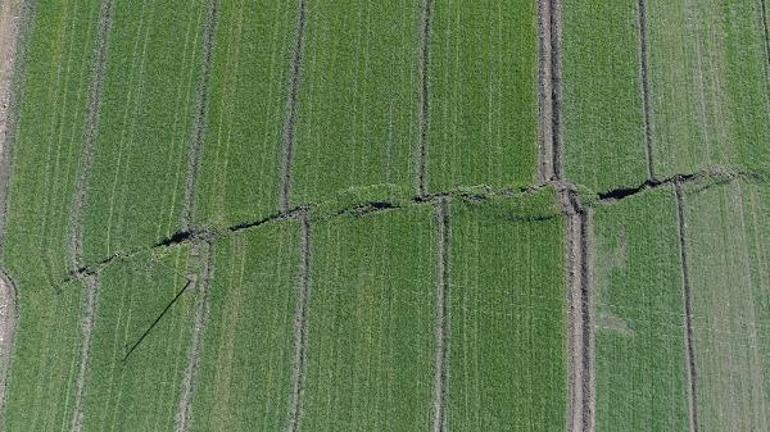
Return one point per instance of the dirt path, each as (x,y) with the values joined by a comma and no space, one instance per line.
(10,24)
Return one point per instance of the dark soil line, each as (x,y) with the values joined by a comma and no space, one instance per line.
(190,380)
(555,27)
(442,318)
(301,328)
(692,375)
(92,290)
(424,65)
(11,93)
(200,121)
(646,89)
(292,107)
(586,303)
(545,103)
(99,69)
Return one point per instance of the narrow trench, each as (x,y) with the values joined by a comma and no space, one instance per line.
(646,89)
(442,318)
(690,366)
(292,106)
(301,327)
(201,114)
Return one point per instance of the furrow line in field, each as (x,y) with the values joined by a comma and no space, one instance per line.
(763,3)
(292,107)
(424,65)
(301,328)
(190,379)
(201,113)
(555,33)
(586,304)
(442,318)
(644,54)
(91,283)
(545,101)
(692,375)
(16,17)
(99,69)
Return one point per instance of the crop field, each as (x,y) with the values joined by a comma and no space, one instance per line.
(357,215)
(641,379)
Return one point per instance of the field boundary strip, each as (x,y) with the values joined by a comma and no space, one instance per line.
(19,14)
(15,19)
(301,327)
(200,322)
(545,96)
(99,68)
(424,77)
(442,317)
(89,282)
(199,127)
(292,108)
(555,84)
(692,376)
(644,57)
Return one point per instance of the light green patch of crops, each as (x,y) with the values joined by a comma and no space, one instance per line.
(41,386)
(139,172)
(358,106)
(483,94)
(140,392)
(371,323)
(641,376)
(727,245)
(603,116)
(711,96)
(239,173)
(246,358)
(507,358)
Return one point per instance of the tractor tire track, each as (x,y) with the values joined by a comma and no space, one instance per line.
(92,132)
(586,298)
(442,318)
(545,118)
(301,327)
(200,122)
(644,55)
(9,320)
(190,379)
(89,282)
(424,77)
(292,108)
(689,339)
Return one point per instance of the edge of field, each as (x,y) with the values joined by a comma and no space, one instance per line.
(13,14)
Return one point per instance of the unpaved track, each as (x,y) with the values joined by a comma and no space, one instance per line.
(11,18)
(424,65)
(301,328)
(646,88)
(545,136)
